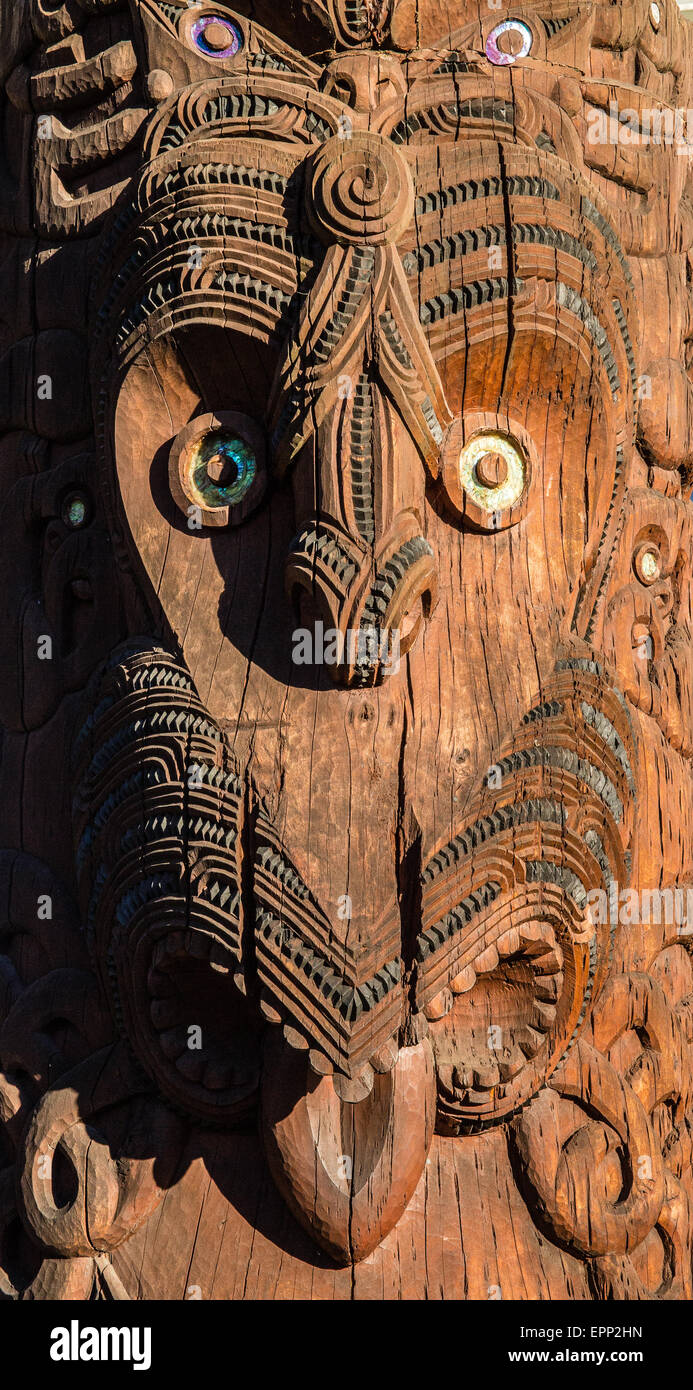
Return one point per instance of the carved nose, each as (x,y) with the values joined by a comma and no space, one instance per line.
(358,383)
(361,609)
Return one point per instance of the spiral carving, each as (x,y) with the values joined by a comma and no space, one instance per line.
(72,1128)
(579,1205)
(361,191)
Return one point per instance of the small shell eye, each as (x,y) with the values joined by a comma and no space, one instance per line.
(508,42)
(647,563)
(75,510)
(216,36)
(485,471)
(220,469)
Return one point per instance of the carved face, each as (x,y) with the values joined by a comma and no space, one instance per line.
(371,408)
(370,389)
(368,336)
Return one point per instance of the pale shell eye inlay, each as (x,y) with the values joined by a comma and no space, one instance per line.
(648,564)
(493,472)
(508,42)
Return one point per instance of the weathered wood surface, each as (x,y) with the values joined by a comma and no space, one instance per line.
(346,800)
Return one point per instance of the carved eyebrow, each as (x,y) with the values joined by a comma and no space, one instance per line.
(448,248)
(472,108)
(471,189)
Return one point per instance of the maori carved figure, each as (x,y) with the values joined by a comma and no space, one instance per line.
(346,878)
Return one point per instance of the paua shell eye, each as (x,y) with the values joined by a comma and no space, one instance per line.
(216,36)
(493,472)
(509,41)
(75,510)
(221,469)
(647,562)
(217,468)
(486,472)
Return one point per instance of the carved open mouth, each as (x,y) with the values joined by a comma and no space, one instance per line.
(503,1007)
(502,968)
(203,1028)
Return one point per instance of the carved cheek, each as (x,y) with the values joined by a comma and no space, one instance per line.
(558,446)
(530,484)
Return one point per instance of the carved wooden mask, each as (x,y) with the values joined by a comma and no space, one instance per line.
(356,514)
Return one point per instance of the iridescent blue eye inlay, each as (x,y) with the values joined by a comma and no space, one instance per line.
(222,469)
(217,37)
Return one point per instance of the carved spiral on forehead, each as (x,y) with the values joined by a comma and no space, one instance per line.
(361,190)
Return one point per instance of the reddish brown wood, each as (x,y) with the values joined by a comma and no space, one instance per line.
(346,794)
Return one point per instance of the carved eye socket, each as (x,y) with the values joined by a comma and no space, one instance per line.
(75,510)
(655,16)
(493,472)
(217,466)
(509,41)
(217,37)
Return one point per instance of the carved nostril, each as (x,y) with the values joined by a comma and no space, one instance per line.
(400,600)
(404,590)
(414,619)
(359,615)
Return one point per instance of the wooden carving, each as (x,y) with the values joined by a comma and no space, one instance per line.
(346,794)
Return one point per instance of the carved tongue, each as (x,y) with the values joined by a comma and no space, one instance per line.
(347,1170)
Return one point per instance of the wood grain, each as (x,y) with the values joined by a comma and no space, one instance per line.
(346,789)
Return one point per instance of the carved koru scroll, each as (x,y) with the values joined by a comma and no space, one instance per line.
(346,790)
